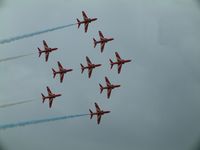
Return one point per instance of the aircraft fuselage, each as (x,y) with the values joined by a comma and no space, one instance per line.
(89,20)
(92,66)
(48,50)
(52,96)
(112,86)
(100,112)
(105,40)
(51,49)
(64,71)
(121,61)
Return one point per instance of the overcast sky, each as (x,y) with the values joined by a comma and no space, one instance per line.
(157,106)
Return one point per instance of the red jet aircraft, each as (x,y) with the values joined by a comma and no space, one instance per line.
(50,96)
(86,21)
(46,50)
(102,41)
(61,71)
(109,87)
(119,62)
(98,113)
(90,67)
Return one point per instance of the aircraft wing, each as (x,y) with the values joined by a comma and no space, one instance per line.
(98,119)
(102,46)
(50,102)
(88,60)
(60,66)
(45,44)
(46,56)
(89,72)
(61,77)
(117,56)
(107,81)
(97,107)
(109,92)
(49,91)
(119,68)
(101,35)
(86,26)
(84,15)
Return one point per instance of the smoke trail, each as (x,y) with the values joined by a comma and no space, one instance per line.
(16,103)
(32,122)
(34,33)
(15,57)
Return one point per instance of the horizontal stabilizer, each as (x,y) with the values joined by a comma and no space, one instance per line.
(82,68)
(79,23)
(95,42)
(43,98)
(91,113)
(40,52)
(101,88)
(54,73)
(111,64)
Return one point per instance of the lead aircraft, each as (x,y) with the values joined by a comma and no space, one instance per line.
(85,21)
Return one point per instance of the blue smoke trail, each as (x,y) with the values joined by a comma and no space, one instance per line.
(15,57)
(32,122)
(34,33)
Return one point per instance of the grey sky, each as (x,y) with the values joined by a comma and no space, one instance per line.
(157,107)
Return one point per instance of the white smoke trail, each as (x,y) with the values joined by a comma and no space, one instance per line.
(16,103)
(34,33)
(15,57)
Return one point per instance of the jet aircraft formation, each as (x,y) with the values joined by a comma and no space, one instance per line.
(90,66)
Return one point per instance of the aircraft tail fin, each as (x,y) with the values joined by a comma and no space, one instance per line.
(54,73)
(82,68)
(79,23)
(43,98)
(111,64)
(101,88)
(91,113)
(95,42)
(40,52)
